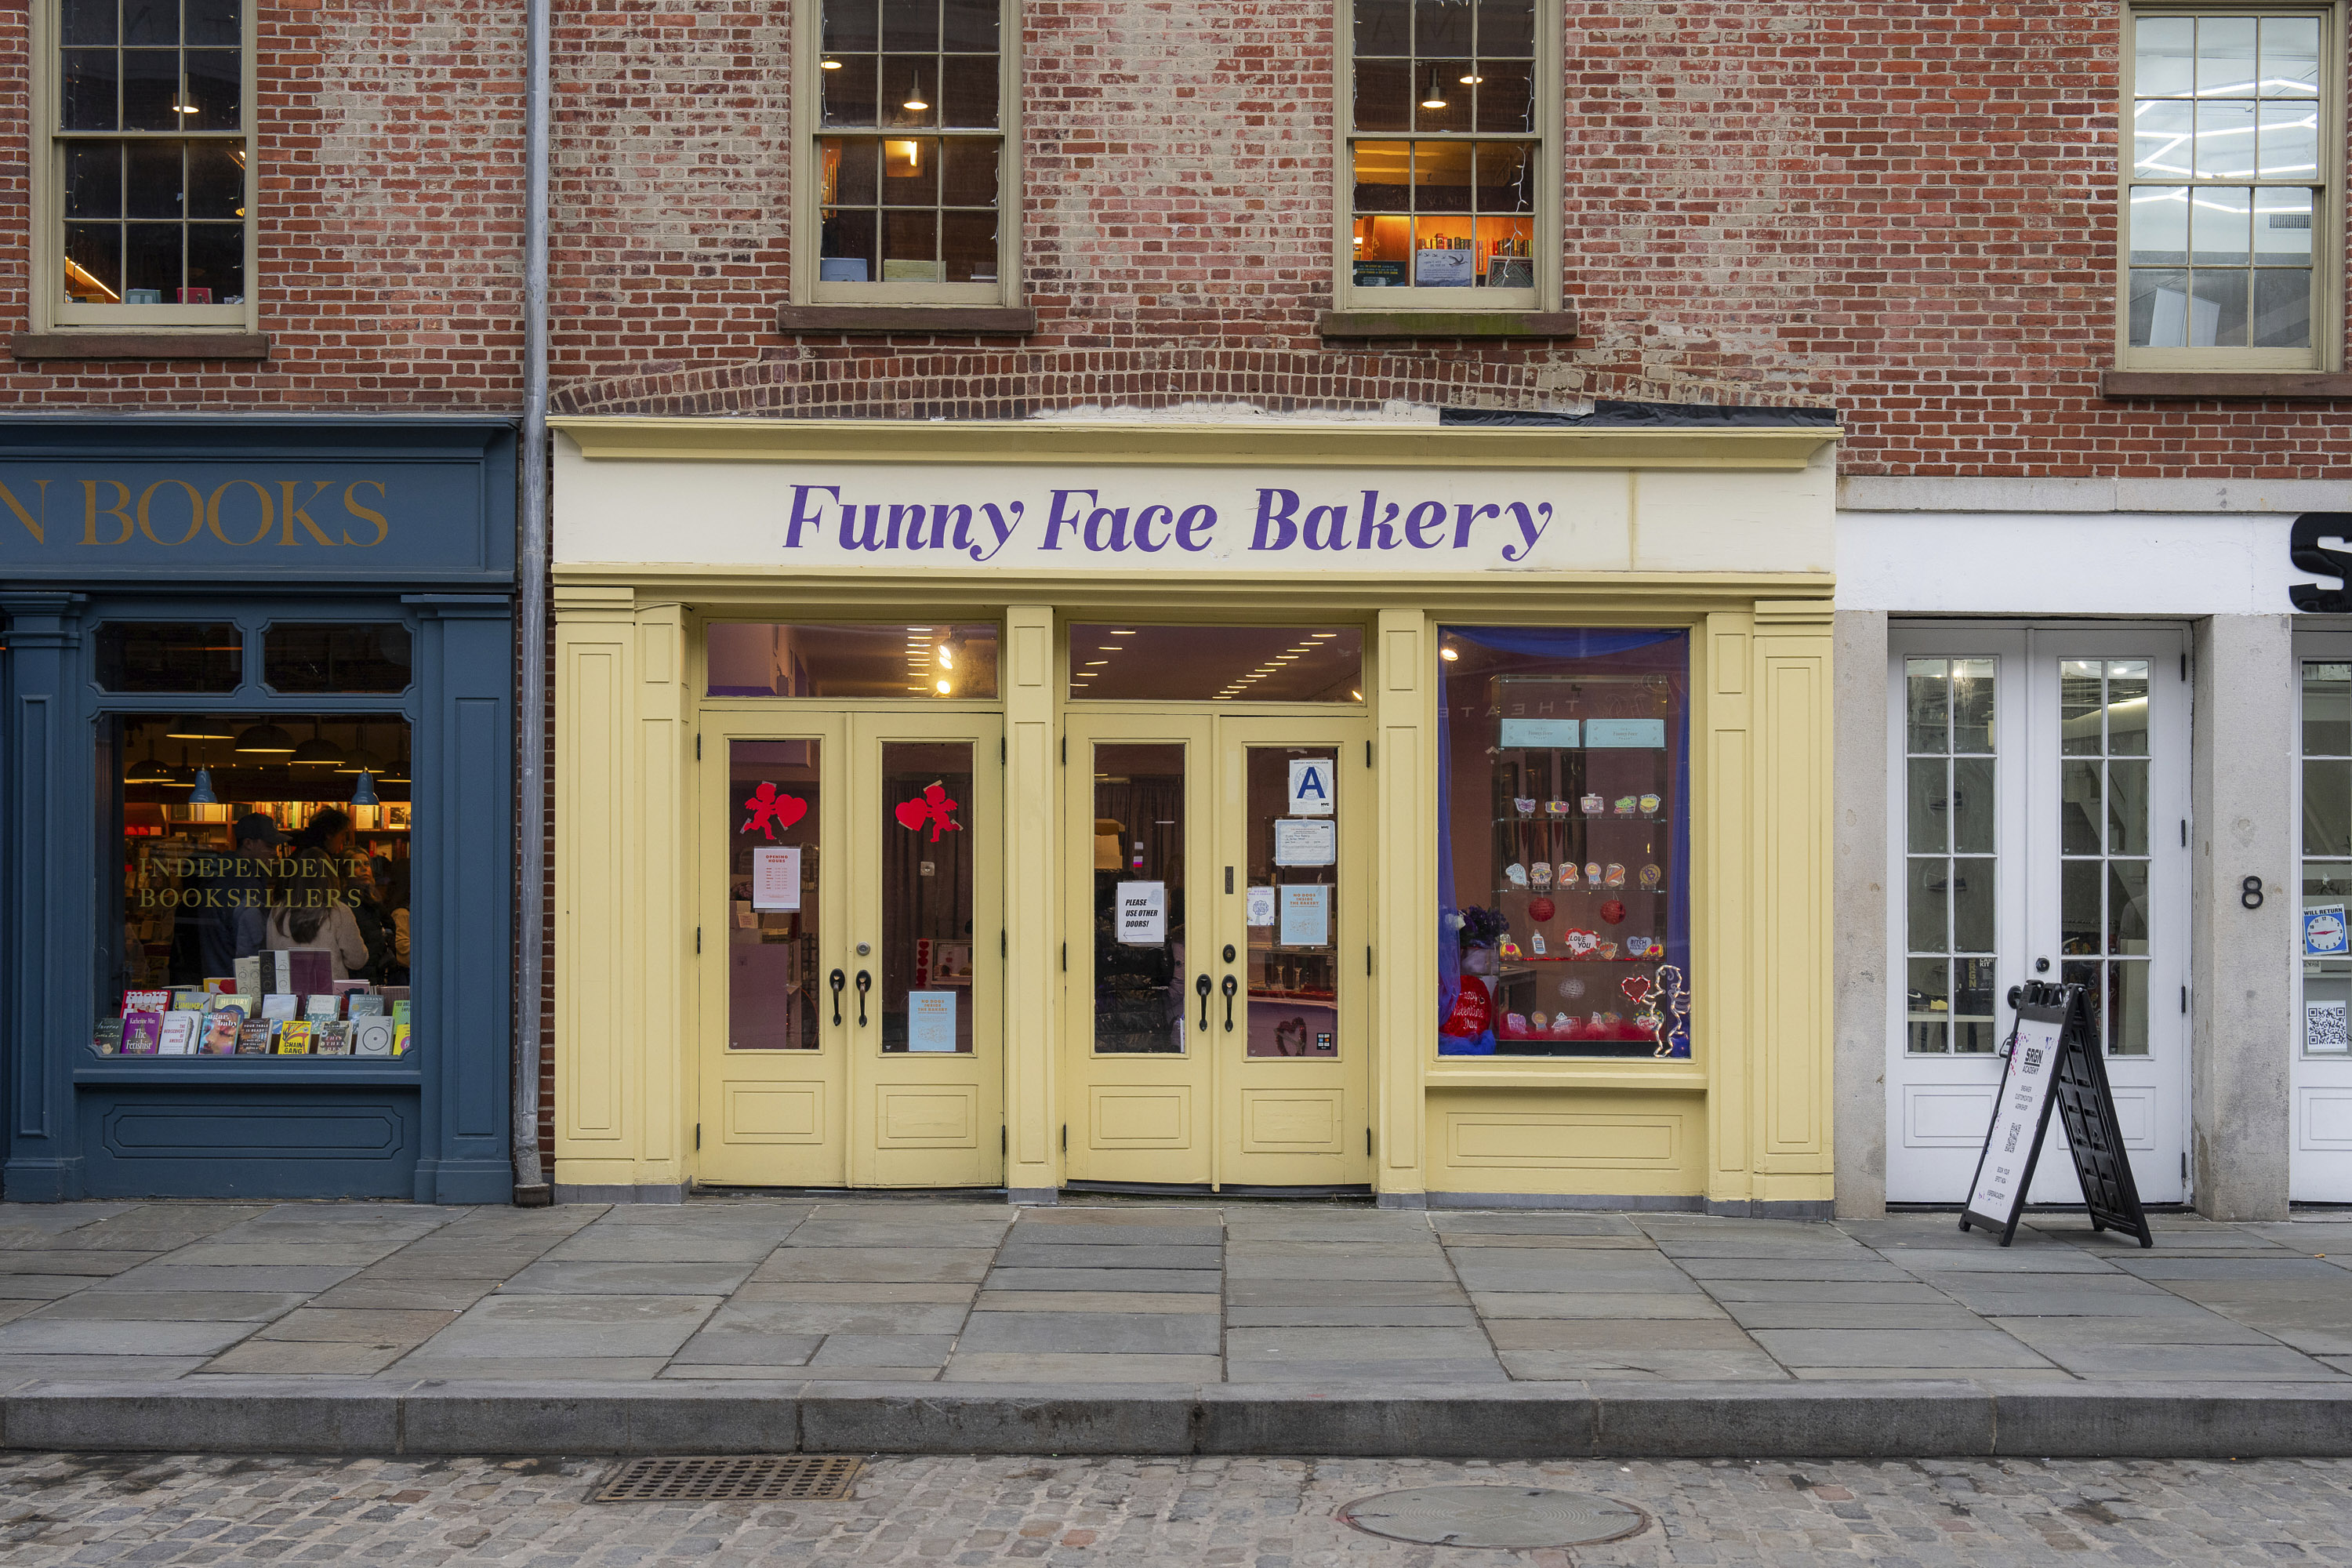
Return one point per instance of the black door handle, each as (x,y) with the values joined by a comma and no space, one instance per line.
(839,980)
(1201,984)
(865,984)
(1231,986)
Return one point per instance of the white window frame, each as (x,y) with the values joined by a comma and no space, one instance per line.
(1548,111)
(2326,352)
(50,308)
(808,128)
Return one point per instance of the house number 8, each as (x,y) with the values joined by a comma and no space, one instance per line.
(2250,892)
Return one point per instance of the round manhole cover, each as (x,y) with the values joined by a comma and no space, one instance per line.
(1504,1517)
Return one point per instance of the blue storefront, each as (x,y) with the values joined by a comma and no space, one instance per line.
(256,808)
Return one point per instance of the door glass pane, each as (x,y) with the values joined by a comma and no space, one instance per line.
(772,985)
(1292,901)
(1950,874)
(2104,871)
(2326,857)
(1218,663)
(1140,972)
(926,961)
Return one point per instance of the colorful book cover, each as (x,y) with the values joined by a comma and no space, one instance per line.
(219,984)
(372,1036)
(322,1008)
(400,1039)
(146,1002)
(294,1038)
(106,1038)
(141,1030)
(188,1001)
(178,1037)
(330,1039)
(279,1007)
(346,987)
(253,1040)
(400,1010)
(223,1024)
(363,1005)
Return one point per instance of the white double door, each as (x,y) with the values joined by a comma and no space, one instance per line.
(2039,830)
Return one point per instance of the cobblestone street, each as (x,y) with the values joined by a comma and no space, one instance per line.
(1263,1513)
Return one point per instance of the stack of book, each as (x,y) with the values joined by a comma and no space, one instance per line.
(349,1018)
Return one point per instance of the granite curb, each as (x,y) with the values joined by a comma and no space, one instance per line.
(1862,1419)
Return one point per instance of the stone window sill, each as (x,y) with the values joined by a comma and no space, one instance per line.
(905,321)
(138,345)
(2219,384)
(1447,324)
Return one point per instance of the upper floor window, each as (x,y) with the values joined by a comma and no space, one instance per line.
(910,176)
(2230,186)
(1452,158)
(143,166)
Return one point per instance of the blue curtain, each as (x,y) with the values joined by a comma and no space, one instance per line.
(1548,642)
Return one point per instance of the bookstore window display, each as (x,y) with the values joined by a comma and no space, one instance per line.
(258,902)
(1563,792)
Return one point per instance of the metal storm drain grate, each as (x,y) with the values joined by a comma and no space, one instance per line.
(1508,1518)
(731,1478)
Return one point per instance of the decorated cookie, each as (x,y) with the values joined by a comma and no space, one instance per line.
(1616,876)
(1649,805)
(1625,805)
(1523,805)
(1651,878)
(1516,874)
(1594,804)
(1579,943)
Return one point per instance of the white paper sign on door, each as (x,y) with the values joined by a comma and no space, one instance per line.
(1306,915)
(2024,1090)
(1260,905)
(1305,841)
(930,1020)
(776,877)
(1310,786)
(1142,913)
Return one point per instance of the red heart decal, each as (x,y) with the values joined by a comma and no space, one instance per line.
(911,814)
(790,808)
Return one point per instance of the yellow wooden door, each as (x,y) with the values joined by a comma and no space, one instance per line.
(1138,912)
(1293,806)
(773,843)
(925,950)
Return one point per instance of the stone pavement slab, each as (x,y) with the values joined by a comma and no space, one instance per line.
(735,1301)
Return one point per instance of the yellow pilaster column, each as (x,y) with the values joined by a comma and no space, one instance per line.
(1032,789)
(1790,1092)
(1723,795)
(622,938)
(1405,881)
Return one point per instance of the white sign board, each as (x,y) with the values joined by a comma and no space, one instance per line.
(1305,841)
(2017,1117)
(1310,786)
(776,877)
(1142,913)
(932,1021)
(1306,915)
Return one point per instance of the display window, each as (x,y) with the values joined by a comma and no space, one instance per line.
(1216,664)
(257,890)
(1563,797)
(768,659)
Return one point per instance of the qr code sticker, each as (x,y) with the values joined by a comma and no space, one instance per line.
(2325,1027)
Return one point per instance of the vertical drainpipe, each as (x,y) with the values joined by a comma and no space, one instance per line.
(530,732)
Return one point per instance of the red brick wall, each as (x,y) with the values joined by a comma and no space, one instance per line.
(1904,210)
(391,206)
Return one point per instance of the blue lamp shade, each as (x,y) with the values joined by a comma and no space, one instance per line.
(203,794)
(363,792)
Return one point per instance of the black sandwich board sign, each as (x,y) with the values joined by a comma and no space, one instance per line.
(2054,1060)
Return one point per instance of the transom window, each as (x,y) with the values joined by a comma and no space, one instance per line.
(911,152)
(147,167)
(1449,154)
(2227,188)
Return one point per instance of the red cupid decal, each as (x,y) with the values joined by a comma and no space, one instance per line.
(770,811)
(934,808)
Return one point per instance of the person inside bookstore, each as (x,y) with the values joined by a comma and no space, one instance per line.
(315,915)
(383,922)
(237,901)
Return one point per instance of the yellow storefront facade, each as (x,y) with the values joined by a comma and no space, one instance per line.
(1433,812)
